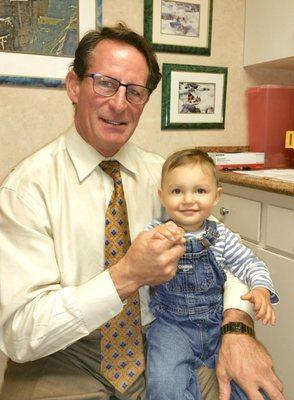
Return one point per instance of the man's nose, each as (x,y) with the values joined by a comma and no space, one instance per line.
(119,99)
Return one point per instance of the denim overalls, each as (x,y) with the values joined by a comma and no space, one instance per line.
(186,332)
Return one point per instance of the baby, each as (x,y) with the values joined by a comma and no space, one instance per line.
(188,309)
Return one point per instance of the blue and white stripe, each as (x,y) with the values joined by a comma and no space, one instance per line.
(233,256)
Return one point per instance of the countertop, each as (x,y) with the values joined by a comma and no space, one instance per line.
(267,184)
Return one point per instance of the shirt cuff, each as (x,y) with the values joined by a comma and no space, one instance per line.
(234,289)
(98,300)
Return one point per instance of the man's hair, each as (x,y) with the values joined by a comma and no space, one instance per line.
(119,33)
(190,156)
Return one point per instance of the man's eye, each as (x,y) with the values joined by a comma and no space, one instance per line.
(106,84)
(133,92)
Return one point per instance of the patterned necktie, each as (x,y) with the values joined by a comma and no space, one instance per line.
(122,352)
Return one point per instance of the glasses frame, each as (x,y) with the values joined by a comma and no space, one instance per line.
(126,85)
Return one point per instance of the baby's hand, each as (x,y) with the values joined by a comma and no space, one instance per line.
(262,307)
(170,231)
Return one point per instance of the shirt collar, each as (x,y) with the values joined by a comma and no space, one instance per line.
(86,159)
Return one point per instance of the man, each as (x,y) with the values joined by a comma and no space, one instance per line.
(56,295)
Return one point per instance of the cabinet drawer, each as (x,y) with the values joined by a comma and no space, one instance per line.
(240,215)
(280,229)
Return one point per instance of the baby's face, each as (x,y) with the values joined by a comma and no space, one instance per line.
(188,193)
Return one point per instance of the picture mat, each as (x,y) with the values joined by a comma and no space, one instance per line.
(52,67)
(199,77)
(182,40)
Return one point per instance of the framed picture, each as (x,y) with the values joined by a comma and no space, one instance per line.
(179,26)
(193,97)
(38,38)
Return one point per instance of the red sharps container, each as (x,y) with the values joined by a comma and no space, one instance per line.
(270,115)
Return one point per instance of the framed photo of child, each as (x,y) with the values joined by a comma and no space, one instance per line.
(193,96)
(179,26)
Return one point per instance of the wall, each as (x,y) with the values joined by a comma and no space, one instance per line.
(31,117)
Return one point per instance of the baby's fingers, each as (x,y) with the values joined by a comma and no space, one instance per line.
(247,296)
(259,308)
(158,235)
(273,319)
(269,316)
(168,231)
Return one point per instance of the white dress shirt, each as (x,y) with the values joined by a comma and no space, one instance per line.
(53,286)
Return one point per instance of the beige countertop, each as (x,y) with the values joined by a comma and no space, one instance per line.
(267,184)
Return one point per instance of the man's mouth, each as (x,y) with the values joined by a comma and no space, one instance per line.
(114,123)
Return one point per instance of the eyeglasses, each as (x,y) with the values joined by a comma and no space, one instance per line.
(107,86)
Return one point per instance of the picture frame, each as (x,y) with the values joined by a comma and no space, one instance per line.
(193,96)
(20,68)
(179,26)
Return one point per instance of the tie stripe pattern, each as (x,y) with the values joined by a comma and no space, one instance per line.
(122,352)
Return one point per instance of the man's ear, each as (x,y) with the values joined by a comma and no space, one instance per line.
(219,192)
(72,86)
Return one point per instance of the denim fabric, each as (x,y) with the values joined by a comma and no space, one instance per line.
(238,394)
(186,332)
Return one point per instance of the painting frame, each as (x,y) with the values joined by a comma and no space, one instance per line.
(206,84)
(23,69)
(164,42)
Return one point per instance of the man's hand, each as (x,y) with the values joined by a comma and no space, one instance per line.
(151,259)
(169,231)
(245,360)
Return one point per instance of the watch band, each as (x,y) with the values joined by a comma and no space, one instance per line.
(237,327)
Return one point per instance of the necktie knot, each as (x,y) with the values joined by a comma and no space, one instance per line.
(112,168)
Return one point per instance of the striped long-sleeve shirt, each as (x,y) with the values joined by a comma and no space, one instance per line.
(233,256)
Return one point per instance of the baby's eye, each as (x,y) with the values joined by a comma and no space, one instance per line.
(200,191)
(176,191)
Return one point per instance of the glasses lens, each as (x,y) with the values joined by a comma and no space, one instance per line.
(137,94)
(105,86)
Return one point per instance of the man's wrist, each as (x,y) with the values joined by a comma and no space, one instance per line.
(124,285)
(235,315)
(238,328)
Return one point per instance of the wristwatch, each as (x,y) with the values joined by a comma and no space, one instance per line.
(237,327)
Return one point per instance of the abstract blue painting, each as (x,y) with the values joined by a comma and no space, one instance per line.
(38,38)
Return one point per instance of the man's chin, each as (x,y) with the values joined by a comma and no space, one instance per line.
(113,144)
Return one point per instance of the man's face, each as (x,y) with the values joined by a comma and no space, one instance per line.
(106,123)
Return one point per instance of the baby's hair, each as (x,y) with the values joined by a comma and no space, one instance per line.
(188,156)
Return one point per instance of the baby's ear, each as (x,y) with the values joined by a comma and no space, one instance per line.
(219,192)
(159,191)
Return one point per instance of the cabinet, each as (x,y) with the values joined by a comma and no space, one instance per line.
(265,222)
(269,32)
